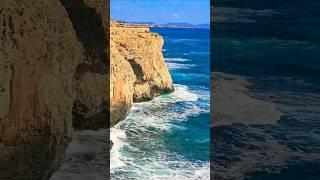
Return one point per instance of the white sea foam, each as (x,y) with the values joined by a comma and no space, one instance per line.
(181,93)
(164,166)
(173,66)
(118,137)
(177,170)
(145,121)
(176,60)
(160,112)
(197,53)
(185,40)
(85,157)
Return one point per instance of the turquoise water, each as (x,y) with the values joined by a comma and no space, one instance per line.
(169,137)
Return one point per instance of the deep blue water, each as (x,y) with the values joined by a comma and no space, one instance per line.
(191,69)
(276,46)
(169,137)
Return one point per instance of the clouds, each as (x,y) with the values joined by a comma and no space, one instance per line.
(175,15)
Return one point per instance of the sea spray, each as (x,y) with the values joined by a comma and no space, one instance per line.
(149,119)
(169,137)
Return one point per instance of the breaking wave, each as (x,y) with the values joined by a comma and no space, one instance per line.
(140,131)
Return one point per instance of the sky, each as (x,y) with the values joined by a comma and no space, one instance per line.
(161,11)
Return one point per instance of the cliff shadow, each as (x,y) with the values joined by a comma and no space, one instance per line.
(137,69)
(88,24)
(89,29)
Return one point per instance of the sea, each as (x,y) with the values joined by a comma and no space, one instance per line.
(169,137)
(275,46)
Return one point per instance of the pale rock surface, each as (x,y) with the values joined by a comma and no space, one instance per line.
(138,69)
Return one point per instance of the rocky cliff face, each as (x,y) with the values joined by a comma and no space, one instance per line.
(39,53)
(138,70)
(90,20)
(52,76)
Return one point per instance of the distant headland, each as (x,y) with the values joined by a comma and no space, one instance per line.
(167,25)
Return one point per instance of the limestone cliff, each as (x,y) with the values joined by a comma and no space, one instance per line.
(138,70)
(90,21)
(53,75)
(39,53)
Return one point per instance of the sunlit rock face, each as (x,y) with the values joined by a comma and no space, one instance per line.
(138,69)
(55,72)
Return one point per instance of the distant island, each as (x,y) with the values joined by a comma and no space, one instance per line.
(170,25)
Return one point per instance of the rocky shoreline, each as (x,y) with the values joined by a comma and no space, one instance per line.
(86,154)
(55,75)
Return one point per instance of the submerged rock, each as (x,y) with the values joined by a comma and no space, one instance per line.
(232,103)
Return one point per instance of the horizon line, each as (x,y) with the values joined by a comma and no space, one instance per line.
(158,23)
